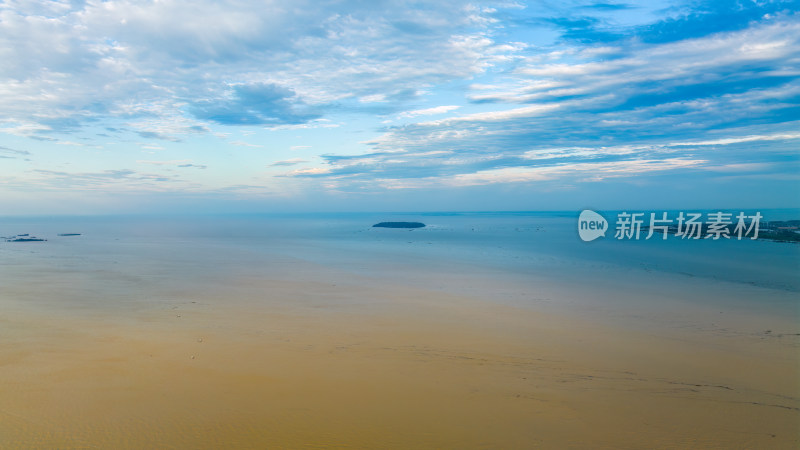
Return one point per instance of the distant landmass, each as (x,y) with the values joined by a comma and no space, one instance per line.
(399,225)
(24,238)
(778,230)
(781,230)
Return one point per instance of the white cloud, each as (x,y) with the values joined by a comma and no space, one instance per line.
(496,116)
(655,69)
(68,63)
(581,171)
(429,111)
(374,98)
(738,140)
(245,144)
(288,162)
(309,171)
(24,129)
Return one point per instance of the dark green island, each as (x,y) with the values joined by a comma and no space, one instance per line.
(399,225)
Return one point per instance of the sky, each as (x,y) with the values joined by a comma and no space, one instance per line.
(367,105)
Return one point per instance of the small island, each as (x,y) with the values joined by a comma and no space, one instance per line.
(24,238)
(69,234)
(399,225)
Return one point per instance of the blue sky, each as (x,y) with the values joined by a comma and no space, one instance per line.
(153,106)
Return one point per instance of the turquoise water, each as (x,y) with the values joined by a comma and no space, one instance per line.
(513,245)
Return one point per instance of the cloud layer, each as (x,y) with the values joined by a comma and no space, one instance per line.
(235,62)
(354,97)
(618,103)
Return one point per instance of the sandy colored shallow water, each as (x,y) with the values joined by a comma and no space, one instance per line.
(136,346)
(405,368)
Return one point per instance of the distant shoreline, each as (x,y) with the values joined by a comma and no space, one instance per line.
(777,231)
